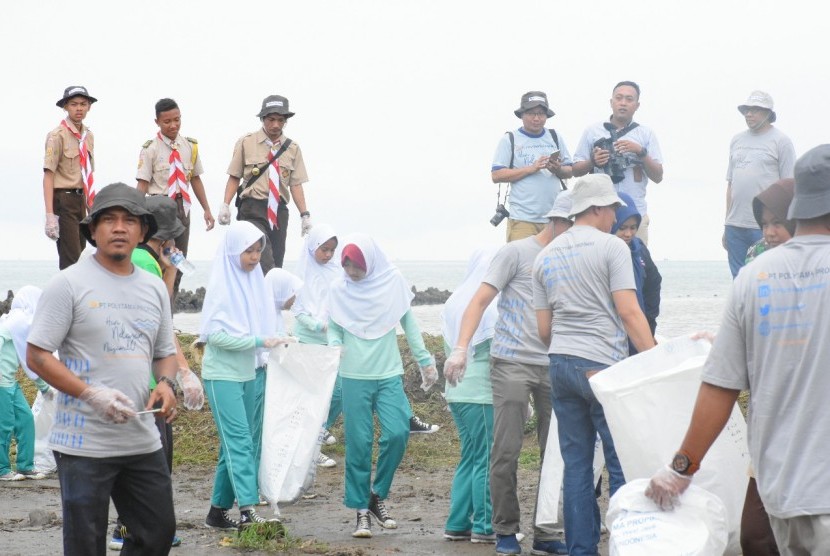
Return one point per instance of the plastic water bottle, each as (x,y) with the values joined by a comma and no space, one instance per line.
(178,260)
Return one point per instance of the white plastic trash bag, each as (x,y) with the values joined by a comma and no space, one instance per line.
(298,392)
(648,401)
(549,496)
(43,411)
(696,527)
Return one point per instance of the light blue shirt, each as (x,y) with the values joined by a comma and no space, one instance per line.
(531,197)
(641,135)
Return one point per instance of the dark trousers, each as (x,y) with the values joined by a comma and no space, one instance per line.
(757,538)
(182,241)
(141,490)
(70,208)
(255,212)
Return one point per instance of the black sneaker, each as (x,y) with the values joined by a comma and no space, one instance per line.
(219,518)
(416,426)
(378,509)
(250,517)
(363,529)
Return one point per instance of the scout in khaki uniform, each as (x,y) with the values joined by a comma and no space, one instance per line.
(67,175)
(267,184)
(169,164)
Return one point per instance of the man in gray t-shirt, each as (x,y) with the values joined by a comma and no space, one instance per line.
(110,323)
(758,157)
(773,342)
(518,371)
(583,283)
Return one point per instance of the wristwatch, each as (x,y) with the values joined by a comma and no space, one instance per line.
(170,382)
(683,465)
(643,153)
(305,213)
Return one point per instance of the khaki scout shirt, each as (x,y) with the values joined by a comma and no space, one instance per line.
(154,162)
(252,151)
(63,156)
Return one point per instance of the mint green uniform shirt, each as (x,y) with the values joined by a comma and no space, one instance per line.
(475,387)
(230,358)
(379,358)
(309,330)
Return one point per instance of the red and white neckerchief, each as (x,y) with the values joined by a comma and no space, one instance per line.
(273,185)
(177,179)
(86,163)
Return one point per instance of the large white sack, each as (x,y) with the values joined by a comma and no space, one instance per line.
(697,527)
(550,480)
(648,401)
(43,411)
(298,392)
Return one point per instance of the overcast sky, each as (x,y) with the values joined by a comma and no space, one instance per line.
(399,105)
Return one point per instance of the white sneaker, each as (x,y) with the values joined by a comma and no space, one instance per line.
(324,461)
(328,438)
(12,476)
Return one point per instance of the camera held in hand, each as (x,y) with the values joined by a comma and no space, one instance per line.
(501,214)
(617,163)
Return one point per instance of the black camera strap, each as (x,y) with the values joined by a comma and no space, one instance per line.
(612,129)
(513,149)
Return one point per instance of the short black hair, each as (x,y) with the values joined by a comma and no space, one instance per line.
(625,84)
(166,104)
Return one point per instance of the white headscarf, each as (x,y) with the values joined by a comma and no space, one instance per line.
(457,303)
(19,320)
(283,286)
(237,302)
(313,297)
(371,307)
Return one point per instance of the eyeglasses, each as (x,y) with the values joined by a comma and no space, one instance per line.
(536,113)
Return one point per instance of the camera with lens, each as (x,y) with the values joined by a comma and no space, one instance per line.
(617,163)
(501,214)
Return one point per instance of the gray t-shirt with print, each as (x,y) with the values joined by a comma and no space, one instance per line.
(107,330)
(756,161)
(773,341)
(575,276)
(516,336)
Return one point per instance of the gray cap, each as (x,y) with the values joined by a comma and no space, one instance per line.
(532,99)
(812,184)
(123,196)
(75,91)
(275,104)
(166,213)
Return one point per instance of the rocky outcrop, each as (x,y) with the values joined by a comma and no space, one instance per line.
(188,301)
(6,306)
(430,296)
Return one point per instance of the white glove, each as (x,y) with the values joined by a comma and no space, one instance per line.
(455,366)
(666,486)
(305,222)
(194,395)
(224,214)
(429,375)
(274,342)
(51,228)
(112,405)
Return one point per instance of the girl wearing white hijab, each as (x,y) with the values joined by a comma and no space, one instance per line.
(237,318)
(319,267)
(16,418)
(284,287)
(471,405)
(366,303)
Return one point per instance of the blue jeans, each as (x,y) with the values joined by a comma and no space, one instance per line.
(141,490)
(738,242)
(580,419)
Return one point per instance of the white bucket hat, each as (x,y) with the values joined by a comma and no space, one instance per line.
(759,99)
(561,206)
(593,190)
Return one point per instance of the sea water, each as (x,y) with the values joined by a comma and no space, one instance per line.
(693,293)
